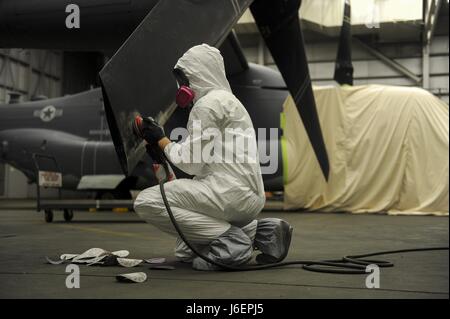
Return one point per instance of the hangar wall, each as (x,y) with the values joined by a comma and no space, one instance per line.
(30,72)
(367,68)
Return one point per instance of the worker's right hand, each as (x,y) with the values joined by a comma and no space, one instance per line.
(152,132)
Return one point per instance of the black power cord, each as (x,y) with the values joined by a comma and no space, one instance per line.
(347,265)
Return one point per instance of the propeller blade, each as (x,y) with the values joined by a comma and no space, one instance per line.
(343,71)
(279,25)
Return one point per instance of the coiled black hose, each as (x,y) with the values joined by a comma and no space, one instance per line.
(347,265)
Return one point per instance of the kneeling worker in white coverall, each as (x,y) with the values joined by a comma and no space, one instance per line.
(217,209)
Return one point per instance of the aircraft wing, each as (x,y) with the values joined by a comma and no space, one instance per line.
(138,78)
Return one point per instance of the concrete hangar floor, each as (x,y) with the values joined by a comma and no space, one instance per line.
(25,240)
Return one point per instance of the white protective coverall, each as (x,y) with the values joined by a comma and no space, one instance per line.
(224,197)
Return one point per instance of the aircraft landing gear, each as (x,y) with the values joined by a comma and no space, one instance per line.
(48,214)
(68,215)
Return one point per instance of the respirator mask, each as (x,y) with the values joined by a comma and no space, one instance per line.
(185,95)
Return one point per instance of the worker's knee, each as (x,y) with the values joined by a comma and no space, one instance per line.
(148,202)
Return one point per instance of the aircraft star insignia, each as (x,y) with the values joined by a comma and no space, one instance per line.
(48,113)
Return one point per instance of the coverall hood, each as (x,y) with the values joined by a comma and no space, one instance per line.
(204,67)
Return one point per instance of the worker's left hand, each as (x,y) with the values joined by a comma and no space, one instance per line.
(151,130)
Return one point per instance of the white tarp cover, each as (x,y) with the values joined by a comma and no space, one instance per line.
(388,150)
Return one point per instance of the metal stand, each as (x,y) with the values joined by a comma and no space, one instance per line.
(67,206)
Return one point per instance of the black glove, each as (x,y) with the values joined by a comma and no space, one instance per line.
(152,132)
